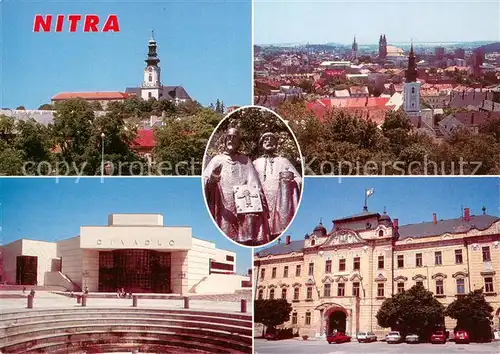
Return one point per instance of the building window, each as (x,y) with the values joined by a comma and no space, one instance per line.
(486,254)
(273,273)
(229,258)
(261,294)
(418,259)
(439,287)
(308,318)
(296,293)
(309,293)
(150,77)
(285,272)
(413,90)
(380,262)
(341,265)
(271,294)
(262,274)
(357,263)
(488,285)
(420,283)
(341,289)
(355,289)
(150,95)
(283,293)
(401,261)
(458,257)
(297,270)
(380,290)
(328,266)
(294,318)
(313,242)
(311,268)
(381,233)
(401,287)
(438,258)
(460,286)
(327,289)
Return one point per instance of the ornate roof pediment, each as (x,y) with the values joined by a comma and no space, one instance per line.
(310,281)
(400,278)
(283,285)
(460,275)
(261,287)
(356,277)
(341,279)
(380,277)
(439,276)
(419,277)
(296,285)
(327,279)
(342,237)
(272,286)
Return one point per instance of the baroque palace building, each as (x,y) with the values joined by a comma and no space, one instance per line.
(337,280)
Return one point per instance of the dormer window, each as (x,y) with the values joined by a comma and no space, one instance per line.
(381,233)
(313,242)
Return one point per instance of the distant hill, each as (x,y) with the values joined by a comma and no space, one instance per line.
(490,48)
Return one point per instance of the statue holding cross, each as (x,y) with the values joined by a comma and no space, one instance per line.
(234,194)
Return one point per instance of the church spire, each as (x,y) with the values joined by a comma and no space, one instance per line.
(411,73)
(152,58)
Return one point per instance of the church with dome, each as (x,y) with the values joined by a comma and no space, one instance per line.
(337,279)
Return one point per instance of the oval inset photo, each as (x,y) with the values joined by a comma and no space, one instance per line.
(252,176)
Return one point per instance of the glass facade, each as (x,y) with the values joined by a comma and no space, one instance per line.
(137,271)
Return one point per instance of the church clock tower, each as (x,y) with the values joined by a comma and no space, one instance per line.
(412,87)
(151,85)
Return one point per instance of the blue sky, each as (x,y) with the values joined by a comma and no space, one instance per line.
(411,200)
(42,209)
(204,46)
(302,21)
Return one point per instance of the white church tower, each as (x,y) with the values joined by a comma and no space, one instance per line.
(151,85)
(412,87)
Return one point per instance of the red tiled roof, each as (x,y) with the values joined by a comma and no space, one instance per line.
(375,114)
(91,95)
(356,102)
(145,139)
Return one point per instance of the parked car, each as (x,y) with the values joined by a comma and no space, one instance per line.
(366,337)
(338,337)
(438,337)
(462,337)
(393,337)
(412,338)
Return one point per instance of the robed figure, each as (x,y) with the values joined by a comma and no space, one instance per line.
(234,194)
(281,183)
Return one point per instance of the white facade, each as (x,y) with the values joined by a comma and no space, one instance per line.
(74,262)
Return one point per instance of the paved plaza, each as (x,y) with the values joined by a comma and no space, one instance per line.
(45,299)
(320,346)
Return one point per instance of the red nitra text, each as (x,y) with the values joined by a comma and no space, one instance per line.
(45,23)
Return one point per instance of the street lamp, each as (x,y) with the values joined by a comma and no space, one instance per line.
(102,154)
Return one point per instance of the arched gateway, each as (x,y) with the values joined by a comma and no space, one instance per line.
(334,318)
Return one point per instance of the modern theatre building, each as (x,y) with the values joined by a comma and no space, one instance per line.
(338,279)
(134,251)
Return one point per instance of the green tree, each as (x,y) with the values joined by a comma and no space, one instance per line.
(46,107)
(22,108)
(473,314)
(396,128)
(272,313)
(182,141)
(413,311)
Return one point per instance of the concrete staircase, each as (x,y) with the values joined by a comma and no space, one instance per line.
(87,330)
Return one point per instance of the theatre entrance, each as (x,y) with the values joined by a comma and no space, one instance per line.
(26,270)
(135,270)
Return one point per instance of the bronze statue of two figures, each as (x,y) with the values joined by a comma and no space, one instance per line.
(252,202)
